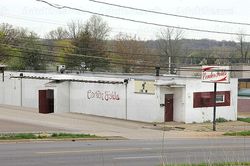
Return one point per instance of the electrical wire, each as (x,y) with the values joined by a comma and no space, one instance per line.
(141,22)
(108,58)
(171,14)
(152,66)
(53,22)
(79,55)
(138,54)
(111,62)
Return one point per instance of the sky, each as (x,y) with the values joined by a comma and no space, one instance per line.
(41,18)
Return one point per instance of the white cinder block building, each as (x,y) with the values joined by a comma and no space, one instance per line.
(131,97)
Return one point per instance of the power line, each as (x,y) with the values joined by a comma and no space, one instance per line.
(134,65)
(78,55)
(141,22)
(97,65)
(124,53)
(145,66)
(116,62)
(113,61)
(170,14)
(53,22)
(34,20)
(138,54)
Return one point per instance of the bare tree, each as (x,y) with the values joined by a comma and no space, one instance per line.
(132,50)
(169,43)
(90,39)
(58,34)
(98,28)
(243,47)
(12,35)
(75,28)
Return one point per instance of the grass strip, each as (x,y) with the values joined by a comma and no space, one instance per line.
(244,120)
(16,136)
(239,133)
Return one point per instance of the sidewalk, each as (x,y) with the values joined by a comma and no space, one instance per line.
(101,126)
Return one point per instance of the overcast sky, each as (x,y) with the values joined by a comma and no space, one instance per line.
(42,18)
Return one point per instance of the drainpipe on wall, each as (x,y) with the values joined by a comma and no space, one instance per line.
(3,75)
(126,98)
(21,90)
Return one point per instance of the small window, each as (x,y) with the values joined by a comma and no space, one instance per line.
(220,98)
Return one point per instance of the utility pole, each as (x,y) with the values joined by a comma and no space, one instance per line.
(214,117)
(169,65)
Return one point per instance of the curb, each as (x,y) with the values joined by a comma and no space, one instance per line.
(63,139)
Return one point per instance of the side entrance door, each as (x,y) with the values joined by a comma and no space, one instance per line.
(169,107)
(46,101)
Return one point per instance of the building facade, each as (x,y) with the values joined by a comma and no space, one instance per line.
(131,97)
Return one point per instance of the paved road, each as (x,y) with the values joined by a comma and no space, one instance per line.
(125,152)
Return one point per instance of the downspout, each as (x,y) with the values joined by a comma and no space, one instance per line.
(126,98)
(3,75)
(21,90)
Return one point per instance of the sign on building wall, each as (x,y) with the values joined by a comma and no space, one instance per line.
(206,99)
(146,87)
(103,95)
(218,74)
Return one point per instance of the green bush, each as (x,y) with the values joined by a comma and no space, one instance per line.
(221,120)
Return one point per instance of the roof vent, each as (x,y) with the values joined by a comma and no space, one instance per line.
(61,68)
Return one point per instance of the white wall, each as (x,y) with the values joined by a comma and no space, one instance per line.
(1,91)
(179,104)
(206,113)
(63,97)
(30,92)
(142,107)
(20,92)
(93,98)
(10,91)
(90,98)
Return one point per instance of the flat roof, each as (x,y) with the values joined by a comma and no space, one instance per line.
(134,76)
(109,77)
(3,66)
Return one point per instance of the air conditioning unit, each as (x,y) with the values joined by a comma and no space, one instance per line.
(61,68)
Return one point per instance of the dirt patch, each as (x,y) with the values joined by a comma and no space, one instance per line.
(201,129)
(244,114)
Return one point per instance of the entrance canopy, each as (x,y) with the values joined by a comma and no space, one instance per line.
(172,84)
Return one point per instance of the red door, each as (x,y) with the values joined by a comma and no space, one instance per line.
(46,101)
(169,107)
